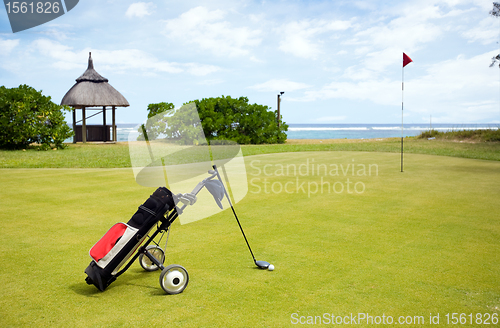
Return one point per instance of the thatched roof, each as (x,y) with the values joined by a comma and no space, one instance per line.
(93,90)
(90,74)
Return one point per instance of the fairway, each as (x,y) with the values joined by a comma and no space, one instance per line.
(347,232)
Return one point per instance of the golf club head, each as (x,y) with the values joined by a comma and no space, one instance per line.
(262,264)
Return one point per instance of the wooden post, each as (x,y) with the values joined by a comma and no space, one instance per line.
(84,126)
(114,125)
(104,123)
(74,125)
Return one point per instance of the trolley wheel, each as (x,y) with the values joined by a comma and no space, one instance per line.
(146,263)
(174,279)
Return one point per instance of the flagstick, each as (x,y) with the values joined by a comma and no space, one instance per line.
(402,101)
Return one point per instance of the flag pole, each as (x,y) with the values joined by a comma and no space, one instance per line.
(402,106)
(406,61)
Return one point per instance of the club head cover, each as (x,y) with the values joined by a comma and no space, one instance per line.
(216,188)
(189,198)
(186,199)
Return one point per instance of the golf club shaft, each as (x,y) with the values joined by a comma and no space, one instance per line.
(234,212)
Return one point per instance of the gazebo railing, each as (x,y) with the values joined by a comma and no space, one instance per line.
(94,133)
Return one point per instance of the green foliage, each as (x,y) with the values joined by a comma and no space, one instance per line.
(26,116)
(163,107)
(222,118)
(429,134)
(184,126)
(485,135)
(237,120)
(155,124)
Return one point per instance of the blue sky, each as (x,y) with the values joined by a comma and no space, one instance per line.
(337,61)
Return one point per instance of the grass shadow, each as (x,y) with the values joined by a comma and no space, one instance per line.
(126,279)
(84,289)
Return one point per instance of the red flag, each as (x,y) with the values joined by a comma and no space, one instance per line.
(406,59)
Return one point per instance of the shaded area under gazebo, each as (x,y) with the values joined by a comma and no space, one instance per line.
(90,92)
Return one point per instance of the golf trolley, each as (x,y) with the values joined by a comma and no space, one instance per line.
(152,218)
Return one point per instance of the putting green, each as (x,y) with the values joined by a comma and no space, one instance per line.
(347,232)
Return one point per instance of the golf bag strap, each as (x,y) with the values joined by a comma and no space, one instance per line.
(144,208)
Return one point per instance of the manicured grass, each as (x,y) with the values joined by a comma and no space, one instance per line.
(413,243)
(117,155)
(485,150)
(75,155)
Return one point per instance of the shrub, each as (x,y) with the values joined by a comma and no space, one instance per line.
(156,124)
(429,134)
(27,116)
(475,135)
(237,120)
(222,118)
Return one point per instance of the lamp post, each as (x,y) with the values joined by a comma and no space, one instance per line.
(279,101)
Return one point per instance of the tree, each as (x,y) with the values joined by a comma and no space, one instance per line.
(155,124)
(222,118)
(27,116)
(235,119)
(226,118)
(495,12)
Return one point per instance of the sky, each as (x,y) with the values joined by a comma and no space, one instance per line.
(337,61)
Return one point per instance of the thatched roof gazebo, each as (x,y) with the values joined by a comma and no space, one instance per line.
(93,90)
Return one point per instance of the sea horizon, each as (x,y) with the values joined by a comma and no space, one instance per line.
(345,130)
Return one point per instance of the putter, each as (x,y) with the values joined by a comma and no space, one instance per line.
(259,264)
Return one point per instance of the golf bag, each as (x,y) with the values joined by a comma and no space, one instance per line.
(113,250)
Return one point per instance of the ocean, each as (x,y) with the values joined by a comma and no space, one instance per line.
(345,131)
(372,131)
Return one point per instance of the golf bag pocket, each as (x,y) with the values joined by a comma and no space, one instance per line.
(111,243)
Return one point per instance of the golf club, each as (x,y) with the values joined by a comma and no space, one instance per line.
(259,264)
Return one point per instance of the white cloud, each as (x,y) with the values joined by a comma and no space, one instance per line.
(405,32)
(410,27)
(200,69)
(380,91)
(140,9)
(211,82)
(448,88)
(9,57)
(207,30)
(117,60)
(277,85)
(60,32)
(302,38)
(485,32)
(6,46)
(365,5)
(445,91)
(347,51)
(359,74)
(64,57)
